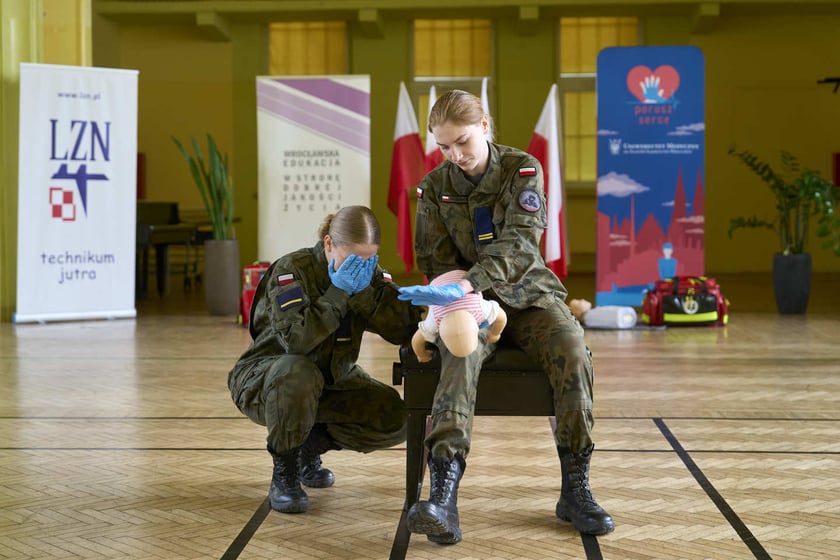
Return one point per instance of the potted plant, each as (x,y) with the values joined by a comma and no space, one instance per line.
(800,195)
(221,252)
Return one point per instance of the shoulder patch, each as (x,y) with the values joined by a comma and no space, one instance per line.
(527,171)
(285,279)
(529,200)
(419,192)
(386,276)
(290,299)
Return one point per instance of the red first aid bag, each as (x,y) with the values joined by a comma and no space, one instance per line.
(685,300)
(251,276)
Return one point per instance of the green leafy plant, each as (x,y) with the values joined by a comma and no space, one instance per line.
(800,194)
(214,183)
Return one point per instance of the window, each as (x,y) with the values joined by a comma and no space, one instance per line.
(307,48)
(581,39)
(449,54)
(451,48)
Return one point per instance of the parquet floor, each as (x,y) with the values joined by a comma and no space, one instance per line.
(118,440)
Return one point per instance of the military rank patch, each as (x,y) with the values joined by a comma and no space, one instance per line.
(290,298)
(419,192)
(527,171)
(344,332)
(483,219)
(529,201)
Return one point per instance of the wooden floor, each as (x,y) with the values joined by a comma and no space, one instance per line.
(118,440)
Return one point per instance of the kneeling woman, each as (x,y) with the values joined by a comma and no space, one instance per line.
(299,377)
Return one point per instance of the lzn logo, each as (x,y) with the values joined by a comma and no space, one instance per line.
(82,141)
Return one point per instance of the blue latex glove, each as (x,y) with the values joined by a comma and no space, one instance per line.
(431,295)
(354,274)
(368,272)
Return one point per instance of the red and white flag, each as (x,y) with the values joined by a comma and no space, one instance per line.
(545,146)
(433,154)
(407,168)
(485,106)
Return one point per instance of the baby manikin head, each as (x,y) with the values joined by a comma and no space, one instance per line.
(459,332)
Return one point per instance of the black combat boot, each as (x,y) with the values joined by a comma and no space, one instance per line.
(576,501)
(438,518)
(312,473)
(285,494)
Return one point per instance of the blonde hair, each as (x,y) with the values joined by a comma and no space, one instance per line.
(458,107)
(351,225)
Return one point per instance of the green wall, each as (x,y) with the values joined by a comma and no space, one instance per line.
(762,94)
(21,40)
(249,59)
(761,73)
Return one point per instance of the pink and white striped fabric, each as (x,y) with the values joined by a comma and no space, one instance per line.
(470,302)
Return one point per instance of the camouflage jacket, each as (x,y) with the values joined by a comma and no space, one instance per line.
(297,310)
(492,229)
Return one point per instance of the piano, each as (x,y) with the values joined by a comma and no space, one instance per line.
(159,226)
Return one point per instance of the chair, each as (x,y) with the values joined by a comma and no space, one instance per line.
(511,384)
(159,226)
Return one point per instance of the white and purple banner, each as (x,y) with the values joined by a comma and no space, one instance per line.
(314,155)
(77,190)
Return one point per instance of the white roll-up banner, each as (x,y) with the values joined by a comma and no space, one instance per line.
(77,193)
(314,155)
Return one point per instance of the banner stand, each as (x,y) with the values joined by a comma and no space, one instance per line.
(313,138)
(76,193)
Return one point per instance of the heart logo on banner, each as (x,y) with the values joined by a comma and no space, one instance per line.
(668,77)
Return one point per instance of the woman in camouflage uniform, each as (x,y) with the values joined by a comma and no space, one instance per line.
(299,378)
(483,210)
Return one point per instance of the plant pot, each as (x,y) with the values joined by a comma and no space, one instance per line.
(221,276)
(792,282)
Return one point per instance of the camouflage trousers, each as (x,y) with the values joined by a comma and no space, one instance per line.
(290,395)
(554,339)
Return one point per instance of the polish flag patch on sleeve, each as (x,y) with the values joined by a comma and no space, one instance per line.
(285,279)
(419,192)
(527,171)
(387,276)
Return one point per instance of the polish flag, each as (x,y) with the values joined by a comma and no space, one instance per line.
(407,168)
(485,106)
(545,146)
(433,154)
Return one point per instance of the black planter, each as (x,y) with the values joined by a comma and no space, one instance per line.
(792,282)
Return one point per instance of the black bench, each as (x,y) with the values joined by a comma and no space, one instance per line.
(511,384)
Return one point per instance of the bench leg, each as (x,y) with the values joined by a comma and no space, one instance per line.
(417,425)
(415,456)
